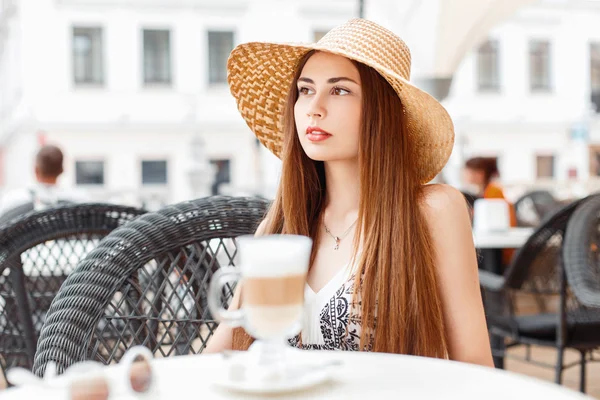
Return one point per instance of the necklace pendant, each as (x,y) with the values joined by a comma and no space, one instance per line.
(337,243)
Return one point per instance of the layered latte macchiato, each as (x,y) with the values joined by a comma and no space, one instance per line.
(272,272)
(273,304)
(273,277)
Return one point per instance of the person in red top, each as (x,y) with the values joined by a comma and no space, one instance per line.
(481,172)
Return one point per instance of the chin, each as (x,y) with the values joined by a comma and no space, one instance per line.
(327,156)
(317,156)
(328,152)
(322,159)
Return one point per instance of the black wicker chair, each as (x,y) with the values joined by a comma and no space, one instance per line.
(532,207)
(146,283)
(558,319)
(581,255)
(37,252)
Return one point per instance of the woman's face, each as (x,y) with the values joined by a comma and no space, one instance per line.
(328,109)
(474,176)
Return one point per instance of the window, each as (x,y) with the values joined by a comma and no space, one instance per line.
(318,35)
(154,172)
(539,66)
(157,56)
(595,74)
(87,56)
(488,73)
(545,166)
(89,172)
(220,45)
(221,175)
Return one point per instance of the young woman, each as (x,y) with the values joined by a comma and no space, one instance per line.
(393,267)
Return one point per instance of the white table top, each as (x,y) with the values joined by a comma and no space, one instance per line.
(361,376)
(506,239)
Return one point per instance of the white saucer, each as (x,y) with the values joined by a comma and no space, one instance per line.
(238,375)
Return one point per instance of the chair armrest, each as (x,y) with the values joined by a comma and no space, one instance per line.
(491,281)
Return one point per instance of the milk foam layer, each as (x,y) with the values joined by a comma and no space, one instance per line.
(274,255)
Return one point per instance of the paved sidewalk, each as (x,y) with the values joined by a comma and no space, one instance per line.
(547,355)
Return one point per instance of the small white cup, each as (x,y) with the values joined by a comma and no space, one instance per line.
(491,215)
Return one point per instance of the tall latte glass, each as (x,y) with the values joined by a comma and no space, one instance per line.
(272,273)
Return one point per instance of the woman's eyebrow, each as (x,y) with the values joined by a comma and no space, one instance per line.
(341,78)
(330,80)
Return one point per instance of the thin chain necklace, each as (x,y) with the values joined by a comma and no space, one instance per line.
(338,239)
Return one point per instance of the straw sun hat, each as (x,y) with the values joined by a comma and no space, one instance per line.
(260,76)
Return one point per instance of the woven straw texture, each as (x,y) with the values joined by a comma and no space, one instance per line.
(260,76)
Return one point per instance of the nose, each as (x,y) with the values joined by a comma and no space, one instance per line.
(316,108)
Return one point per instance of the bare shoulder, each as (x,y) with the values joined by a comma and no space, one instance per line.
(262,227)
(439,199)
(448,220)
(446,212)
(447,216)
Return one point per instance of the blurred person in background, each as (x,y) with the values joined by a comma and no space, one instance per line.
(481,174)
(45,192)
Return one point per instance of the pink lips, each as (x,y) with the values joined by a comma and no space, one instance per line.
(315,134)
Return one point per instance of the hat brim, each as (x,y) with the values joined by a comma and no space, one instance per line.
(260,76)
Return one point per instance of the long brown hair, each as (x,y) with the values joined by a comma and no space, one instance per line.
(397,285)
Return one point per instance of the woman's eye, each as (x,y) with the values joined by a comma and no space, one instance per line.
(304,90)
(340,91)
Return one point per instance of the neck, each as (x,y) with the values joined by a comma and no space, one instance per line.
(47,180)
(343,191)
(485,186)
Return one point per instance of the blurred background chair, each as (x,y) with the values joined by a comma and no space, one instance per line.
(582,263)
(470,198)
(533,206)
(531,302)
(38,250)
(146,284)
(582,253)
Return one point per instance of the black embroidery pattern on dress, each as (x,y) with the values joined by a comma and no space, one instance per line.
(339,322)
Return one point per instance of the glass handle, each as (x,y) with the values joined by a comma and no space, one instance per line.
(233,318)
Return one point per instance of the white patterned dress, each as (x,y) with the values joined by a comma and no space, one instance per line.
(330,322)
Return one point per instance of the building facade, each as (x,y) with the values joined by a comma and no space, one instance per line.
(529,95)
(136,93)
